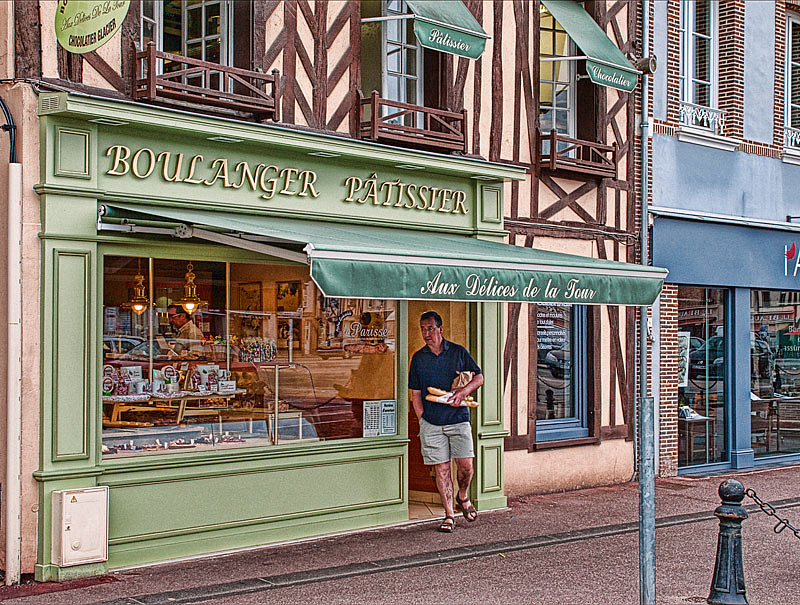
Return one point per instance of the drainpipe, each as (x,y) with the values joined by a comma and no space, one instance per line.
(12,492)
(646,428)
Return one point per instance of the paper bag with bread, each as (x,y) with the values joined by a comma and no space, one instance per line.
(441,396)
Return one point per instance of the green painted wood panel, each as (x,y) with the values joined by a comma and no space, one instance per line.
(181,507)
(71,324)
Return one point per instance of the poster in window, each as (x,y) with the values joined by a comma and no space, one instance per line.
(288,296)
(289,331)
(684,338)
(250,300)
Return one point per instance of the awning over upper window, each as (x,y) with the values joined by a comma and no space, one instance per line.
(359,261)
(447,27)
(605,63)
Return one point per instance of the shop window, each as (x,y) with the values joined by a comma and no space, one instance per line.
(702,376)
(792,120)
(561,389)
(264,359)
(698,65)
(774,372)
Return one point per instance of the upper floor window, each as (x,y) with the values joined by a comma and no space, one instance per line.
(557,77)
(200,29)
(698,67)
(402,55)
(397,75)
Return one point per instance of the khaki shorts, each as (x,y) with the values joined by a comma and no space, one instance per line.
(441,443)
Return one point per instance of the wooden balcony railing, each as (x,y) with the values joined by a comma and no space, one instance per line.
(206,83)
(391,121)
(559,152)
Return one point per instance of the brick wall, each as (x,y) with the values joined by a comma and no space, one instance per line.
(668,403)
(730,90)
(731,65)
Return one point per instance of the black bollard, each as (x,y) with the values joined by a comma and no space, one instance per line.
(727,585)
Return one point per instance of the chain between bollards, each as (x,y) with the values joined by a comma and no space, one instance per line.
(770,511)
(727,585)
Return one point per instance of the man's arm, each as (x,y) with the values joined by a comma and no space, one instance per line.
(416,401)
(470,387)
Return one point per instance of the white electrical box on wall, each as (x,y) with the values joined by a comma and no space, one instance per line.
(80,526)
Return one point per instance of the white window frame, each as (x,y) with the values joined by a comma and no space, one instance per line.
(572,95)
(400,16)
(687,34)
(157,22)
(791,133)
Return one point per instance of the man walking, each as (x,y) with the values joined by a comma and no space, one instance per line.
(444,428)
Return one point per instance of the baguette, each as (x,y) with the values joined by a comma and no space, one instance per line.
(435,391)
(443,399)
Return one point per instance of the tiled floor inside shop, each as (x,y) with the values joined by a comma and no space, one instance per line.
(418,511)
(424,505)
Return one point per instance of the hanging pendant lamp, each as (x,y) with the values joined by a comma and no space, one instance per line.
(190,301)
(139,301)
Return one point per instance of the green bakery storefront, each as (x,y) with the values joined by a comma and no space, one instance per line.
(228,311)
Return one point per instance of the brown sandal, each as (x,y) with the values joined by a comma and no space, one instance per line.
(447,525)
(470,514)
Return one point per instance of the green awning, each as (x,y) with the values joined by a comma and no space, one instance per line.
(605,63)
(358,261)
(447,27)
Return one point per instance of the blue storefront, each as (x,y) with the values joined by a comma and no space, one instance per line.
(738,335)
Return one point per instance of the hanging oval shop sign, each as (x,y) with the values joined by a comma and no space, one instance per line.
(84,25)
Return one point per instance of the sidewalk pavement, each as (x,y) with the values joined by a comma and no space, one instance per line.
(574,547)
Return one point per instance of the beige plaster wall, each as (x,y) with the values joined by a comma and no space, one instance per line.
(22,102)
(47,14)
(569,468)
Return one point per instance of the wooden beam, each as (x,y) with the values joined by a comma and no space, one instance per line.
(27,40)
(128,39)
(355,66)
(289,75)
(496,128)
(319,94)
(109,74)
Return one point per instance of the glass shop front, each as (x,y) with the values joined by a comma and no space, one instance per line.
(201,355)
(738,335)
(775,372)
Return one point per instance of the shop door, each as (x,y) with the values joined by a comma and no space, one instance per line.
(421,483)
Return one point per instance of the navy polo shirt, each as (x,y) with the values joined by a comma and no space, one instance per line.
(439,371)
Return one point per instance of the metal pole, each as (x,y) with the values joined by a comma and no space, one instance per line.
(647,503)
(646,424)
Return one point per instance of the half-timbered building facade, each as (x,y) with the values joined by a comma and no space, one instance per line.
(299,180)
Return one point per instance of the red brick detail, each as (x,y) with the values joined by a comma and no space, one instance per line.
(731,65)
(668,382)
(779,120)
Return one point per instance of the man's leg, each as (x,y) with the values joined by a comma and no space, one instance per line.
(444,483)
(464,472)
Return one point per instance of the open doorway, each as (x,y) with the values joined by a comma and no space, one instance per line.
(423,498)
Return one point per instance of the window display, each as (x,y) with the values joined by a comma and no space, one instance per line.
(554,373)
(702,362)
(775,372)
(220,355)
(560,372)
